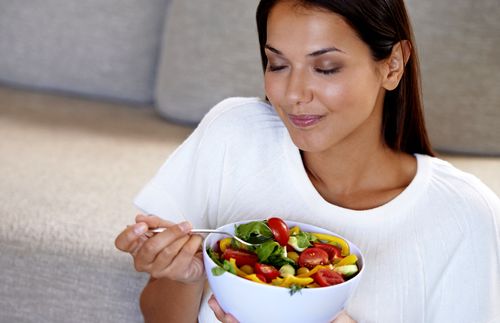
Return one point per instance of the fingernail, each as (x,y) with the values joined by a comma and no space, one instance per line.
(140,228)
(185,226)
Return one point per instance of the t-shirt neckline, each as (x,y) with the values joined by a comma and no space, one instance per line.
(404,199)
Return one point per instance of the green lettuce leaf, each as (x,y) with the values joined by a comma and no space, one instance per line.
(272,253)
(217,271)
(268,249)
(301,241)
(254,232)
(214,255)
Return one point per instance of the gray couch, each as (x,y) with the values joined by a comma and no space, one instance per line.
(174,55)
(72,160)
(167,53)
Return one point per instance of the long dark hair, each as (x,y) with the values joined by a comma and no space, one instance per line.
(380,24)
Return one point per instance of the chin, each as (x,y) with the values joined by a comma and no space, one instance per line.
(309,145)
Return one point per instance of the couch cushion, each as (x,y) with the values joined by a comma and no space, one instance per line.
(458,42)
(210,51)
(104,48)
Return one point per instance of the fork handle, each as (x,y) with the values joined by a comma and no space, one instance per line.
(205,231)
(158,230)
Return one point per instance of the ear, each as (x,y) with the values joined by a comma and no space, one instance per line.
(395,64)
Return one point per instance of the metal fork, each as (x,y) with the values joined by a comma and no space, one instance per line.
(158,230)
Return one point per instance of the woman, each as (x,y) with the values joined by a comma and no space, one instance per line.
(342,145)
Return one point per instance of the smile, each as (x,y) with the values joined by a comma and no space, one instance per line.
(304,120)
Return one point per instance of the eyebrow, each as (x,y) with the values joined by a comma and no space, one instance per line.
(313,54)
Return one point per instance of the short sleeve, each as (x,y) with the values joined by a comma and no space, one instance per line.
(187,185)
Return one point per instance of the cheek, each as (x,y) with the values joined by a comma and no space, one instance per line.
(348,94)
(335,96)
(271,87)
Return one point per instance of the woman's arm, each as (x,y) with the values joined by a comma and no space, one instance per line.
(164,300)
(174,261)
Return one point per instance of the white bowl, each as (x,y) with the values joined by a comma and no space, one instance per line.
(253,302)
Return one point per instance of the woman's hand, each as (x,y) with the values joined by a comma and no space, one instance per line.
(219,312)
(228,318)
(343,318)
(172,254)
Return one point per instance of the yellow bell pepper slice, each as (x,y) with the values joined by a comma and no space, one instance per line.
(224,243)
(336,241)
(239,272)
(349,260)
(294,230)
(315,270)
(254,278)
(292,280)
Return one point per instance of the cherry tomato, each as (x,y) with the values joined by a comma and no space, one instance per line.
(279,229)
(327,277)
(261,277)
(333,251)
(311,257)
(268,271)
(242,257)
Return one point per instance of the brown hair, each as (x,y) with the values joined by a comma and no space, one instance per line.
(380,24)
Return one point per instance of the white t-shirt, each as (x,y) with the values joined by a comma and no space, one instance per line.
(432,253)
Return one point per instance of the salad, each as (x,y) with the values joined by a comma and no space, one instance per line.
(284,257)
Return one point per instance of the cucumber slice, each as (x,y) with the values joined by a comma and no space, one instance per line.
(287,270)
(347,270)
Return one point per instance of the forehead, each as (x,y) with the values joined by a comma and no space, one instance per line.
(308,28)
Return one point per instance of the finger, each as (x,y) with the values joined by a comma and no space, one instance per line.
(138,244)
(187,264)
(219,313)
(127,239)
(343,318)
(153,221)
(165,257)
(150,248)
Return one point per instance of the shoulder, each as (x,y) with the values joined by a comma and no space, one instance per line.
(238,119)
(450,184)
(236,110)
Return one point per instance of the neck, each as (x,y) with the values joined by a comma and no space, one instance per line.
(359,178)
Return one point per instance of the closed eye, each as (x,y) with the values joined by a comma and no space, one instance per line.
(327,71)
(275,68)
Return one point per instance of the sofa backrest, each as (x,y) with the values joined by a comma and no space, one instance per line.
(101,48)
(459,44)
(210,52)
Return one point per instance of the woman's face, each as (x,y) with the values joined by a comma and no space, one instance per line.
(322,79)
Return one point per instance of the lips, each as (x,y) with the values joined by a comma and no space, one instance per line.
(304,120)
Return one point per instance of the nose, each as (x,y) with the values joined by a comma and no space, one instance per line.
(298,89)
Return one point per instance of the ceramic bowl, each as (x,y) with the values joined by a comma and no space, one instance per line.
(253,302)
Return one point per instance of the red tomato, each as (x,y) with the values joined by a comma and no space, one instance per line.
(327,277)
(261,277)
(268,271)
(242,257)
(311,257)
(333,251)
(279,229)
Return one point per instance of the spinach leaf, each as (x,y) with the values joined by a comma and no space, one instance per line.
(214,255)
(279,261)
(272,253)
(268,249)
(254,232)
